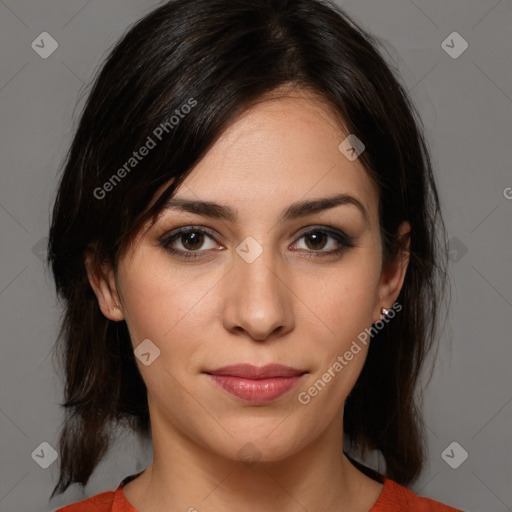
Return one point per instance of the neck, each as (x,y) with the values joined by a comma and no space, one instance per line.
(186,476)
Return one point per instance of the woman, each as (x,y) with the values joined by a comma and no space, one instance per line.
(247,238)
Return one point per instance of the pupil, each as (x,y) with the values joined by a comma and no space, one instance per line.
(194,237)
(316,237)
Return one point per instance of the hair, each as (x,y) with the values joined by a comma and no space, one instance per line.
(220,57)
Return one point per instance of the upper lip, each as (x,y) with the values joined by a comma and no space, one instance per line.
(249,371)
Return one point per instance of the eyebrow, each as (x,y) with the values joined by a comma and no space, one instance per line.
(294,211)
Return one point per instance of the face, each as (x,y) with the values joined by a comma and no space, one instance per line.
(257,287)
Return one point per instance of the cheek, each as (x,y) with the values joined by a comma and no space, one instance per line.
(342,302)
(168,306)
(160,298)
(160,308)
(343,297)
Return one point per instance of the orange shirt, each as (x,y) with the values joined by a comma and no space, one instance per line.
(393,498)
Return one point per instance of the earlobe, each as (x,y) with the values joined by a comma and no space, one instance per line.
(393,277)
(101,279)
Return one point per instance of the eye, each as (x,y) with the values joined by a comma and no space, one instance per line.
(191,240)
(317,239)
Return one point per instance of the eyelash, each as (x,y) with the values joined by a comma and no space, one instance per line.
(346,241)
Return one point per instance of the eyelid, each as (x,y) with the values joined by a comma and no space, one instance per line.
(186,229)
(331,230)
(326,228)
(344,240)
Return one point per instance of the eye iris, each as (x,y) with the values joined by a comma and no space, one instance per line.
(316,237)
(192,238)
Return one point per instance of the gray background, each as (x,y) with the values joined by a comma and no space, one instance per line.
(466,105)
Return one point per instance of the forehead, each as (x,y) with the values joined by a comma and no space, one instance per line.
(277,152)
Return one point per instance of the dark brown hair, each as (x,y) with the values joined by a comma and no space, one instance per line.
(222,56)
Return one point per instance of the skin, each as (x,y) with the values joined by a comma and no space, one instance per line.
(284,307)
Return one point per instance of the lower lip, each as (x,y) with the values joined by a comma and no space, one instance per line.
(261,390)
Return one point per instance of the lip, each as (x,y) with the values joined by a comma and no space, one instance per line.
(248,371)
(256,384)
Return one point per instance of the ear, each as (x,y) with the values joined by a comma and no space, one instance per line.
(392,277)
(102,281)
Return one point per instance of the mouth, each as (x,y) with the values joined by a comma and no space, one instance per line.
(256,384)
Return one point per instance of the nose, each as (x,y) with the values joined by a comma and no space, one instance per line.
(258,300)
